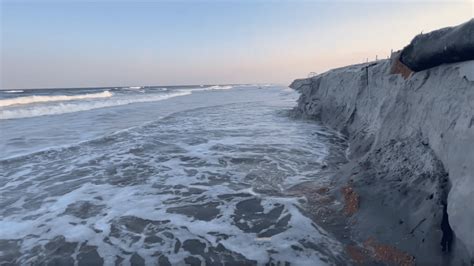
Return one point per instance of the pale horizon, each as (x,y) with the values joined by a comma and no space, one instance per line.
(109,44)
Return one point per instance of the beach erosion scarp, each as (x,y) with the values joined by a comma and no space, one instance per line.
(409,181)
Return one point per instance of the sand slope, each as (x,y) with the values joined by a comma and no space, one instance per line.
(411,150)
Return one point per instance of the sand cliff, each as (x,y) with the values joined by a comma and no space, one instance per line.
(411,153)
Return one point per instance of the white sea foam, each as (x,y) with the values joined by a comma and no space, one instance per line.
(62,108)
(101,100)
(137,89)
(53,98)
(13,91)
(139,176)
(216,87)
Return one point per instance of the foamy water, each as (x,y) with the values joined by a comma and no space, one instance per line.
(205,184)
(66,107)
(39,105)
(55,98)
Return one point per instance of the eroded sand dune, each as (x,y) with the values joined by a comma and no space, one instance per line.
(412,153)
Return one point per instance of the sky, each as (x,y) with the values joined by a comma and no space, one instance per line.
(49,44)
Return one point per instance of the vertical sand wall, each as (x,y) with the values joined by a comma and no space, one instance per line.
(411,149)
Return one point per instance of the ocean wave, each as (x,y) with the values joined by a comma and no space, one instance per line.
(102,100)
(53,98)
(211,88)
(112,136)
(137,89)
(217,87)
(62,108)
(13,91)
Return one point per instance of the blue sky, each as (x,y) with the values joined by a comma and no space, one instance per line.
(115,43)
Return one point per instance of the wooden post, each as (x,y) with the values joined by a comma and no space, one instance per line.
(367,74)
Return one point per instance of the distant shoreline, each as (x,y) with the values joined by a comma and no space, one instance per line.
(144,86)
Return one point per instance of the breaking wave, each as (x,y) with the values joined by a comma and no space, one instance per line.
(53,98)
(211,88)
(62,108)
(40,105)
(13,91)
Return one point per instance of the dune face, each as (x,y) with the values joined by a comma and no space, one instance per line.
(411,153)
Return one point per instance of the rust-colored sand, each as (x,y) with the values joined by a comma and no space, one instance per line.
(388,254)
(399,68)
(351,200)
(357,254)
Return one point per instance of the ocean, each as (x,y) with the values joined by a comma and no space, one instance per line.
(161,175)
